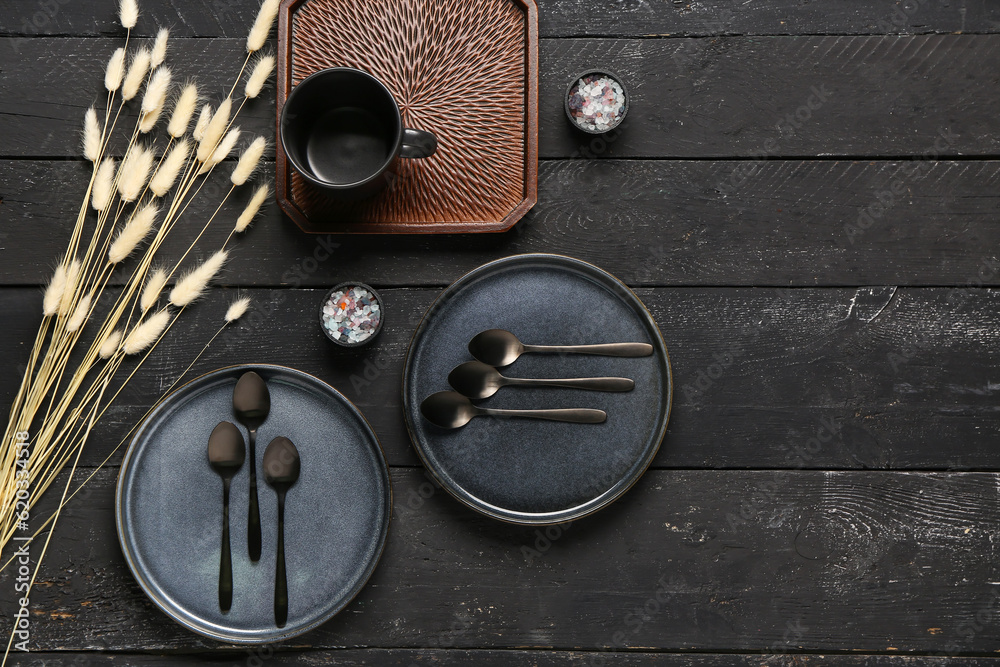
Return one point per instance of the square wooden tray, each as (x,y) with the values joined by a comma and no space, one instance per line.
(466,70)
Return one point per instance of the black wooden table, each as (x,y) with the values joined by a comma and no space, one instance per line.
(806,198)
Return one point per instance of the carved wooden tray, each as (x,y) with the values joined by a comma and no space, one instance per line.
(466,70)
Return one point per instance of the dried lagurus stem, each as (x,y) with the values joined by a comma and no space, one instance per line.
(80,315)
(154,98)
(128,13)
(104,185)
(115,72)
(248,161)
(133,172)
(246,217)
(203,120)
(136,73)
(214,130)
(237,309)
(159,53)
(221,151)
(183,111)
(110,345)
(146,333)
(91,136)
(262,25)
(133,233)
(166,174)
(194,283)
(69,293)
(151,292)
(261,72)
(54,291)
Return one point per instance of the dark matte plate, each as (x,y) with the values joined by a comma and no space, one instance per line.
(169,507)
(529,471)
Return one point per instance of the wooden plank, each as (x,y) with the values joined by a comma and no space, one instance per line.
(776,222)
(723,97)
(687,560)
(763,378)
(562,18)
(477,657)
(559,18)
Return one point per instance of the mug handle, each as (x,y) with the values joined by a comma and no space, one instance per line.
(417,144)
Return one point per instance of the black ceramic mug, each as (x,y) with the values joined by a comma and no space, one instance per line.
(342,130)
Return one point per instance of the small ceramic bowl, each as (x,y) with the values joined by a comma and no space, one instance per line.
(576,100)
(356,319)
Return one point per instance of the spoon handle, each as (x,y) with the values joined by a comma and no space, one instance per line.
(280,580)
(226,564)
(603,349)
(574,415)
(594,384)
(253,516)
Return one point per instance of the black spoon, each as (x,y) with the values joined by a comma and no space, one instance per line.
(226,453)
(498,347)
(478,380)
(450,409)
(281,469)
(251,404)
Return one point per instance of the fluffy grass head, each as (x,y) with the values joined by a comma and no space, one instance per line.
(262,25)
(214,131)
(137,71)
(154,287)
(91,136)
(194,283)
(134,171)
(261,72)
(260,195)
(183,111)
(159,53)
(133,233)
(115,72)
(128,13)
(147,332)
(237,309)
(249,161)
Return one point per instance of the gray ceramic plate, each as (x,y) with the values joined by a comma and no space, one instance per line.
(529,471)
(169,508)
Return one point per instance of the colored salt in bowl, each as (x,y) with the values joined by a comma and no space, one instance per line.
(351,314)
(596,102)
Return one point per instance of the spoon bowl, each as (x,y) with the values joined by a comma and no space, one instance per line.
(251,405)
(226,453)
(496,347)
(449,409)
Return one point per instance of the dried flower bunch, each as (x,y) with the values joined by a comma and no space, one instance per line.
(130,207)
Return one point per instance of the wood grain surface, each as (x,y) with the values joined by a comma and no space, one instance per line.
(649,222)
(805,196)
(687,561)
(749,97)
